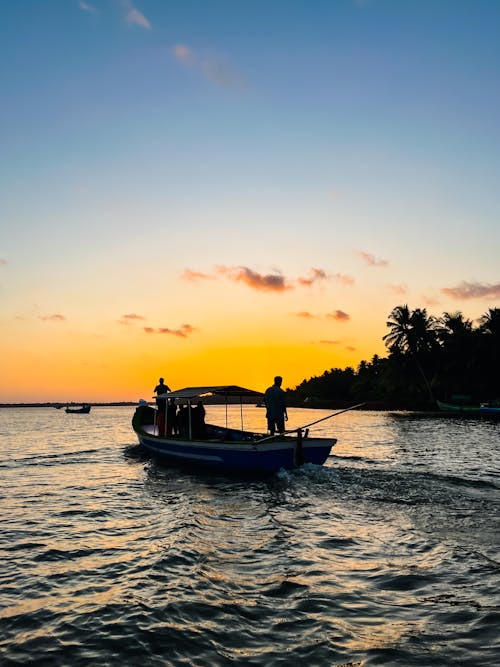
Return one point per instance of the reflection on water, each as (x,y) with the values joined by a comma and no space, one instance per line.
(387,555)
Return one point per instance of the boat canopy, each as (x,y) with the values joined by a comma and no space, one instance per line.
(216,390)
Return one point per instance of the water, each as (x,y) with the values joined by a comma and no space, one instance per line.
(387,555)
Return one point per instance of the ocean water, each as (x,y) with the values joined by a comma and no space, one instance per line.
(387,555)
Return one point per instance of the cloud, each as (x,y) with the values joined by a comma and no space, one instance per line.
(398,289)
(221,72)
(56,317)
(271,282)
(194,276)
(184,54)
(216,69)
(133,16)
(430,300)
(315,275)
(371,260)
(339,315)
(306,315)
(86,7)
(182,332)
(3,262)
(329,342)
(472,291)
(350,348)
(344,279)
(318,275)
(130,318)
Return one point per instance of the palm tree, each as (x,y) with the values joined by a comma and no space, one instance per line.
(398,338)
(490,322)
(489,351)
(459,358)
(453,325)
(412,334)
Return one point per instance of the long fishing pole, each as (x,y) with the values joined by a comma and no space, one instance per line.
(300,428)
(353,407)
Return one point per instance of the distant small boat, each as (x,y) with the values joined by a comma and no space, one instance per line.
(84,410)
(223,448)
(482,409)
(486,409)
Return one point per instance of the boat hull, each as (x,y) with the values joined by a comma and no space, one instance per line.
(240,452)
(78,411)
(453,407)
(471,410)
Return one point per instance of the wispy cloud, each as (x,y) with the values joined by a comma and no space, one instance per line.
(304,314)
(130,318)
(271,282)
(221,72)
(430,300)
(56,317)
(398,289)
(86,7)
(472,291)
(183,331)
(133,16)
(371,260)
(344,279)
(216,69)
(194,276)
(315,275)
(329,342)
(339,315)
(3,262)
(184,54)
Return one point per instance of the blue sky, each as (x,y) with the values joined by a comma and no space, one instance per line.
(146,142)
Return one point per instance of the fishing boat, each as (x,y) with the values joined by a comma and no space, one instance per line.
(456,407)
(471,410)
(221,447)
(83,410)
(487,409)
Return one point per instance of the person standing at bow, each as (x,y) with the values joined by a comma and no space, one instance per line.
(275,402)
(161,401)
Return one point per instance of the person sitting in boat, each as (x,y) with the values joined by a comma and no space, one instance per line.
(183,421)
(275,402)
(198,421)
(172,425)
(160,389)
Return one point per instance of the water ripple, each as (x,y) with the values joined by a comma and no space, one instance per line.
(388,555)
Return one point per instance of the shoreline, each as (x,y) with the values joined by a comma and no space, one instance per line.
(372,406)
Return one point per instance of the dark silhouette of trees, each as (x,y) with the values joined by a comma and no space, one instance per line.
(489,350)
(428,358)
(414,335)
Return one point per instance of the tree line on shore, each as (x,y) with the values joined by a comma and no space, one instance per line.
(429,358)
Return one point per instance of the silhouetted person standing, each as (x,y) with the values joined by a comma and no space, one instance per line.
(160,389)
(275,402)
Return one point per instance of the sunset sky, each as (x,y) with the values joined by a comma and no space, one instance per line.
(219,191)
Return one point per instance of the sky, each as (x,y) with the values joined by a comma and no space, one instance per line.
(220,191)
